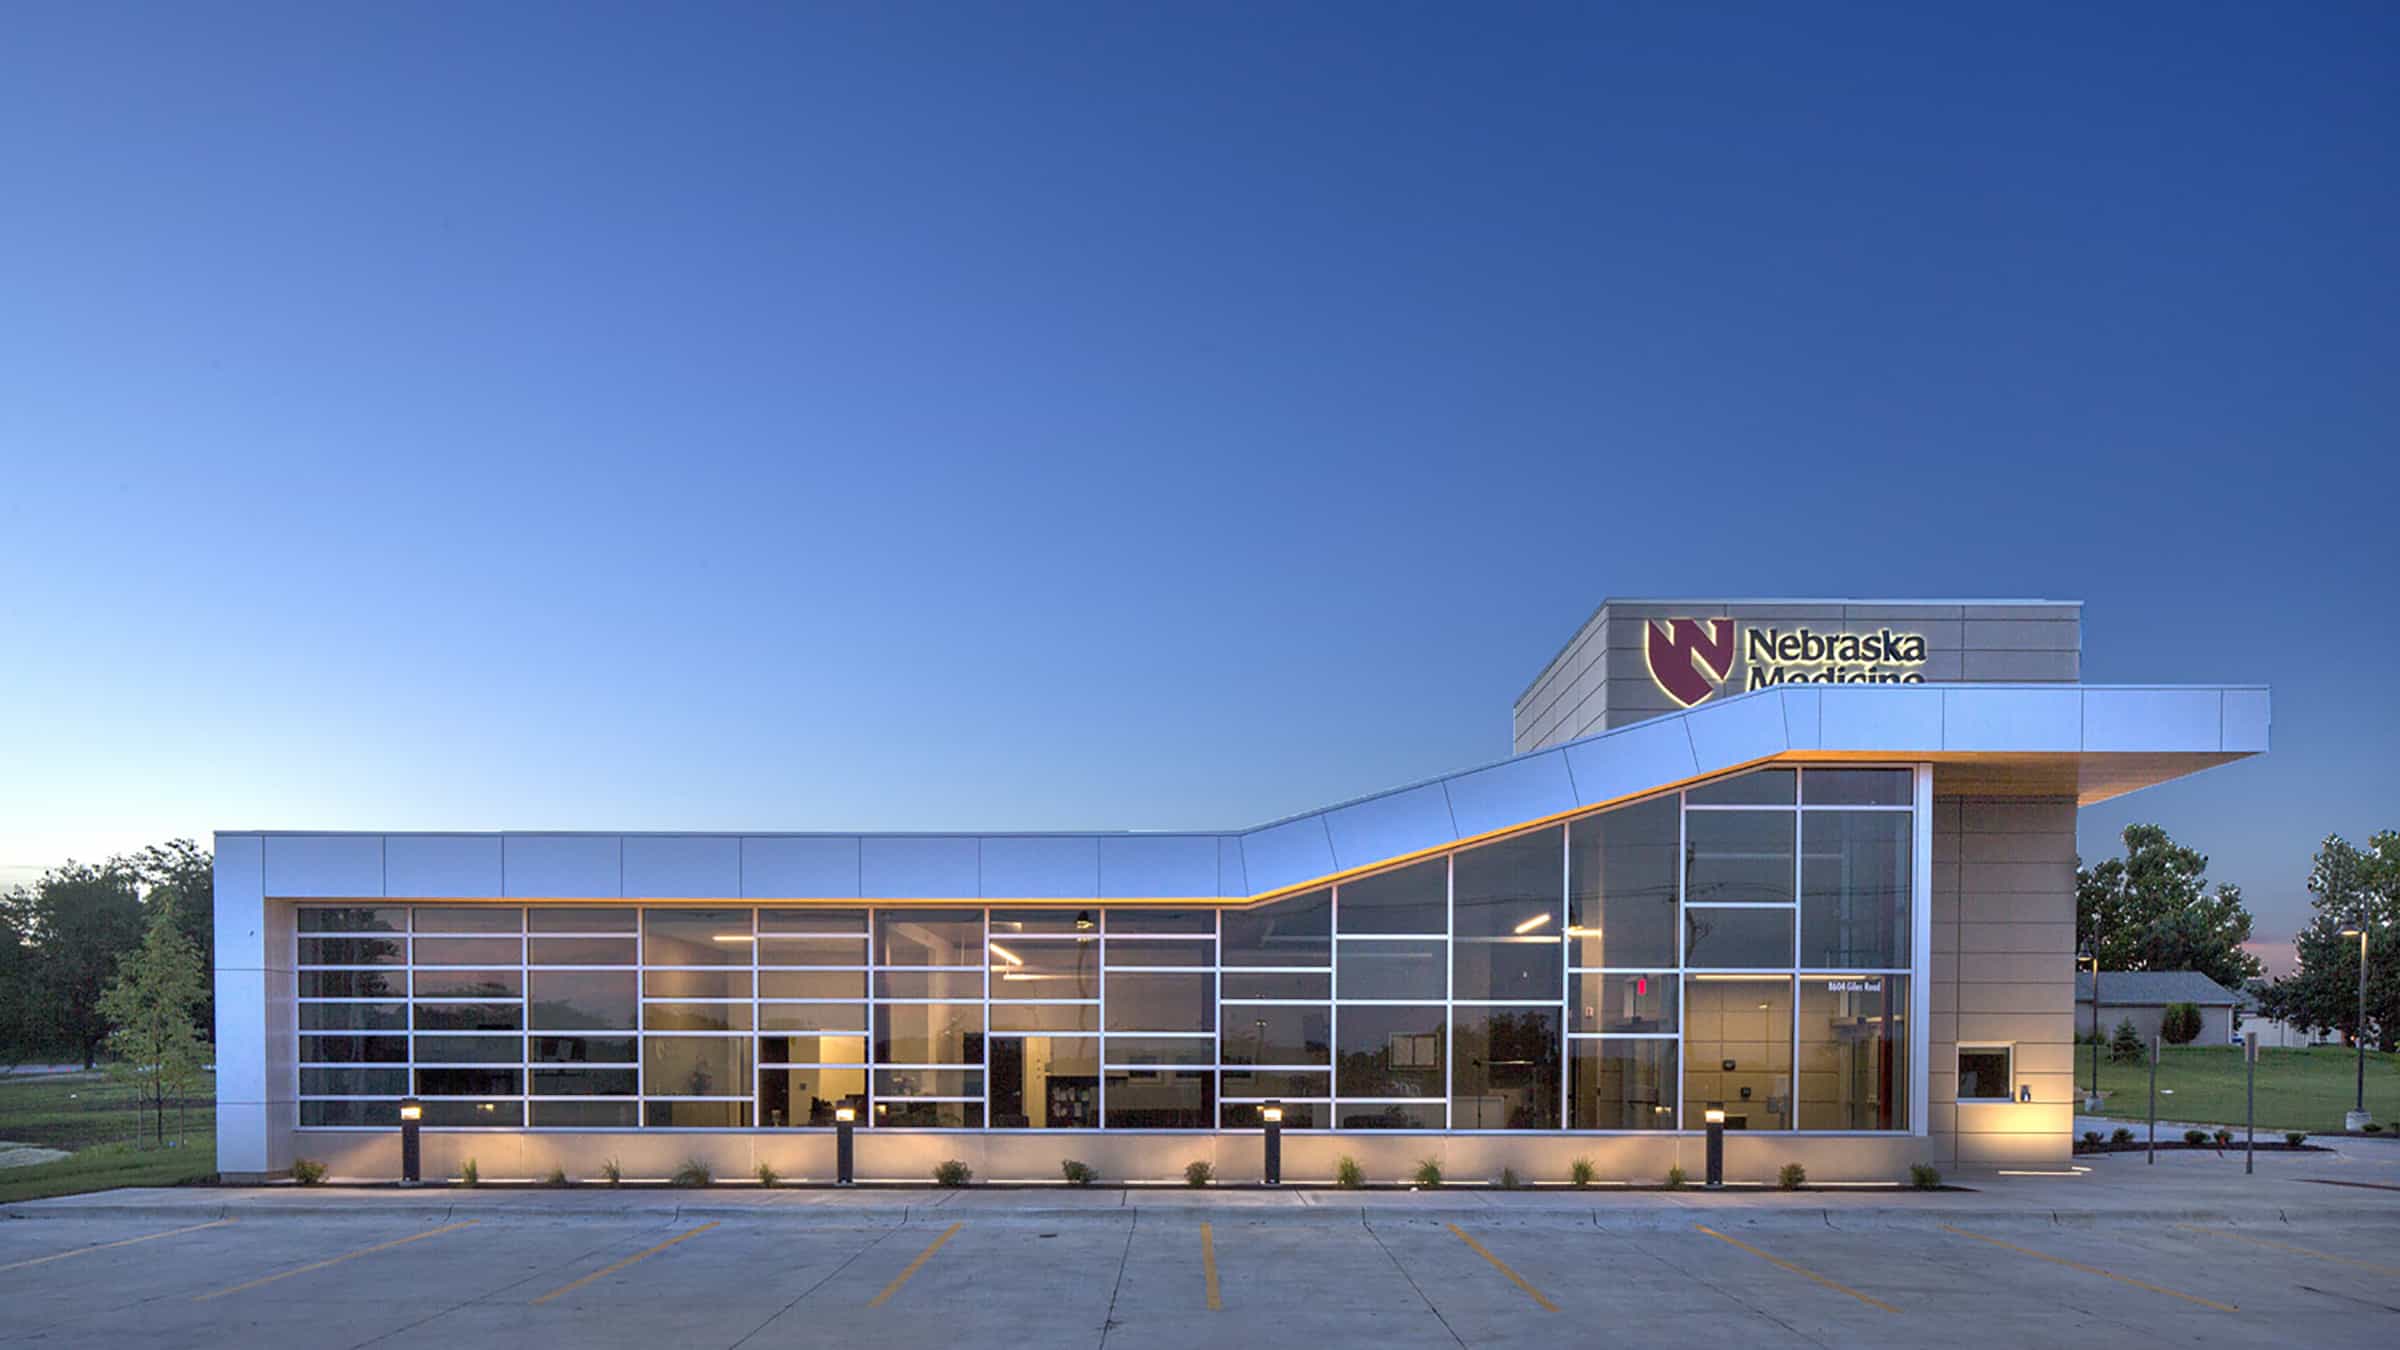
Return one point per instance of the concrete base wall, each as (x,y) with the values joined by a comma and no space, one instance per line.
(909,1156)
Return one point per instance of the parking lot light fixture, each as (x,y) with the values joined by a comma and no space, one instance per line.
(1715,1117)
(412,1113)
(1272,1115)
(2358,1113)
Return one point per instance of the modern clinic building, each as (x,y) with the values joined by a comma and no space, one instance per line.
(1813,860)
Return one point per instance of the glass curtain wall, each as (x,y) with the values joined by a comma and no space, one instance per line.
(1745,941)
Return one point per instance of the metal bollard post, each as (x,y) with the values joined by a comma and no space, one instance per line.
(2153,1158)
(1272,1114)
(845,1121)
(411,1155)
(1716,1146)
(2250,1102)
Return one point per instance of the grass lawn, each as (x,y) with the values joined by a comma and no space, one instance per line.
(98,1121)
(2297,1089)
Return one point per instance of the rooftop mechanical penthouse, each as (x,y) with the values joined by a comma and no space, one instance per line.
(1838,901)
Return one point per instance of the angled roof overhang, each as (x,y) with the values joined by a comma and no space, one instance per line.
(2086,742)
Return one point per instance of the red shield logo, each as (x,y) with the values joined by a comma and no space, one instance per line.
(1689,658)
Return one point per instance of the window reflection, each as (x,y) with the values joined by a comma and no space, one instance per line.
(1535,981)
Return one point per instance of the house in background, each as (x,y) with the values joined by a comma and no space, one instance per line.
(2142,996)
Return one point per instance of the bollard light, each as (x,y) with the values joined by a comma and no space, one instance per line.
(1716,1145)
(412,1112)
(845,1120)
(1272,1114)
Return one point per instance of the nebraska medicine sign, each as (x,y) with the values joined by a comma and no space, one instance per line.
(1693,658)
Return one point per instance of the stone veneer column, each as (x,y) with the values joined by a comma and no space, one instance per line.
(2004,973)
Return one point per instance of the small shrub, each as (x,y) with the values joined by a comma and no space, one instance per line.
(2120,1135)
(1510,1181)
(2224,1137)
(1676,1178)
(1198,1172)
(557,1177)
(1077,1173)
(612,1172)
(307,1171)
(2195,1137)
(1429,1172)
(767,1175)
(1792,1177)
(1924,1176)
(952,1172)
(2179,1024)
(2094,1138)
(1582,1171)
(693,1172)
(1347,1174)
(2373,1127)
(2295,1137)
(468,1175)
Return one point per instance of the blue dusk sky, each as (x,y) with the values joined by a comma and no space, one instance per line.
(1112,415)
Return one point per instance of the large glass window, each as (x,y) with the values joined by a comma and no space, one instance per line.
(1294,932)
(1045,1082)
(1392,968)
(1622,1084)
(1414,899)
(1505,1068)
(1737,1045)
(929,937)
(1625,1003)
(1746,941)
(696,937)
(1738,857)
(1853,1052)
(696,1066)
(1276,1033)
(1390,1051)
(1507,913)
(1854,889)
(1722,937)
(1621,885)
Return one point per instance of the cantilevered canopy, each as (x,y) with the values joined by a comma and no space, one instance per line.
(1990,740)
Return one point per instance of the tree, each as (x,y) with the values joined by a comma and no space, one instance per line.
(2152,910)
(2179,1024)
(2126,1046)
(181,873)
(2352,886)
(81,920)
(25,1028)
(149,1010)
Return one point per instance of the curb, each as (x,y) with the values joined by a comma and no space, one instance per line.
(1619,1219)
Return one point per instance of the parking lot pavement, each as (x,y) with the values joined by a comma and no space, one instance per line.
(813,1276)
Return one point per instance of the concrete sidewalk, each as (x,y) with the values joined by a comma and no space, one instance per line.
(2349,1183)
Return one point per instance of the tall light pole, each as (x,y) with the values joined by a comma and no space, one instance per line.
(2358,1118)
(2091,1096)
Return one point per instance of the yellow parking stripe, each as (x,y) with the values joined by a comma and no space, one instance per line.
(2092,1270)
(1502,1267)
(1208,1268)
(2263,1242)
(1797,1270)
(337,1260)
(637,1256)
(104,1246)
(922,1257)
